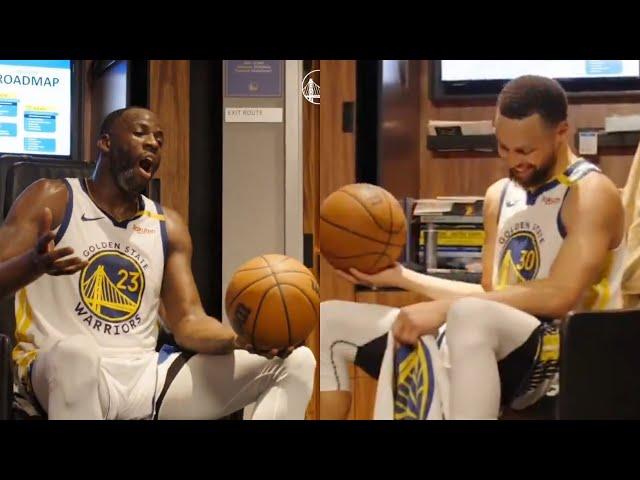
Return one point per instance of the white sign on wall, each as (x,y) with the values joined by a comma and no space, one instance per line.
(256,115)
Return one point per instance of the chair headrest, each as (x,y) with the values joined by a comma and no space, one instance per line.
(23,173)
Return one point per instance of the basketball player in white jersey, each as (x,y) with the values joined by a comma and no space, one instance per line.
(554,242)
(87,325)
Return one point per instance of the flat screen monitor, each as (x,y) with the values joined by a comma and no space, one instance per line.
(467,79)
(35,107)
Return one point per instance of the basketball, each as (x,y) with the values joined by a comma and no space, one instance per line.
(362,226)
(273,302)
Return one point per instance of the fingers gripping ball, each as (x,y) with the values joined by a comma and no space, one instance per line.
(273,301)
(362,226)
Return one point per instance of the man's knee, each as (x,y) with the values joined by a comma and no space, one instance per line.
(330,310)
(331,313)
(468,322)
(302,362)
(73,362)
(469,309)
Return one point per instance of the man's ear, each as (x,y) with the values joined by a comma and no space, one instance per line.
(562,131)
(104,143)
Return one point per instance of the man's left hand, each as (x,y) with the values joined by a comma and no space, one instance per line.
(417,320)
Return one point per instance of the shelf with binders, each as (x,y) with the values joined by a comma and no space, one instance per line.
(446,144)
(446,244)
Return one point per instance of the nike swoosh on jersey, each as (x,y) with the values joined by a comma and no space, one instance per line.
(85,219)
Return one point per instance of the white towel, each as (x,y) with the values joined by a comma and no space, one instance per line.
(384,406)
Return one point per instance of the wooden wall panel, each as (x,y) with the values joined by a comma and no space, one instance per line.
(337,154)
(169,99)
(337,157)
(337,148)
(399,128)
(86,107)
(457,173)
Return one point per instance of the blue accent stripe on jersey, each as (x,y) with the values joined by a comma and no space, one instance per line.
(561,227)
(163,233)
(67,213)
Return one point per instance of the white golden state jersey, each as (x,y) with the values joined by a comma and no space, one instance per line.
(531,232)
(115,298)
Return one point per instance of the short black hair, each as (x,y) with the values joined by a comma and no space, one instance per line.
(531,94)
(109,120)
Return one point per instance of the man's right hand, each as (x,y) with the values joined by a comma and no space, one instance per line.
(49,260)
(389,277)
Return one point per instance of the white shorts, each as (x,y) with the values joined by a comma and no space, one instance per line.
(132,385)
(170,385)
(129,385)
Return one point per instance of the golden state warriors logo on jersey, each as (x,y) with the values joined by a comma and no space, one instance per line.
(111,286)
(520,259)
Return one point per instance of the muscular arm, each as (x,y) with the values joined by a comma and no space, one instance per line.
(26,248)
(436,288)
(594,219)
(192,328)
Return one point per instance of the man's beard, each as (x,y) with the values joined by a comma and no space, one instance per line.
(127,181)
(125,177)
(539,176)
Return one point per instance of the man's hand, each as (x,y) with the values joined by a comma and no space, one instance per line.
(46,258)
(389,277)
(419,319)
(244,344)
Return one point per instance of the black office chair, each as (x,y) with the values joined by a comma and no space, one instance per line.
(600,366)
(6,378)
(8,161)
(18,174)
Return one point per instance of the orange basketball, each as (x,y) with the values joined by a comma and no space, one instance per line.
(362,226)
(273,301)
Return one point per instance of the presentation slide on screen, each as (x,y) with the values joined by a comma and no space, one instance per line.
(35,107)
(458,70)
